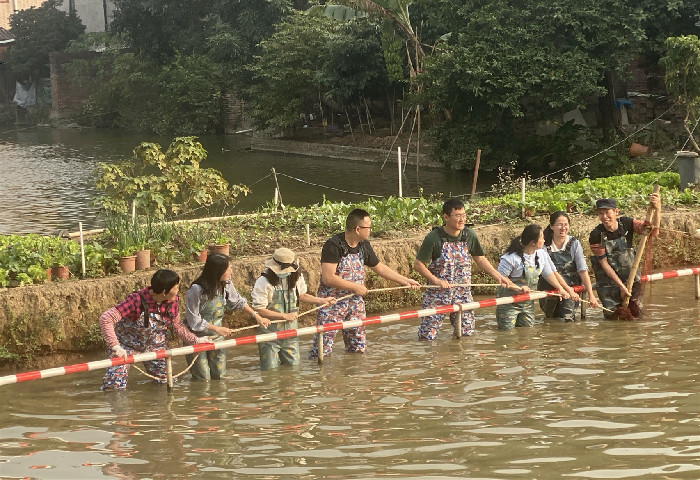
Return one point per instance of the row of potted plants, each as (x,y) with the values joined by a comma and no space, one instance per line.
(26,259)
(125,245)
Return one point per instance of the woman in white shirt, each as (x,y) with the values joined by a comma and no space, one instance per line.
(209,297)
(566,253)
(524,263)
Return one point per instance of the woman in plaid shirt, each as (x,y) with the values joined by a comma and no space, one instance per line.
(140,324)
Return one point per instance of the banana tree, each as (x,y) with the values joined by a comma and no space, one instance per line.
(396,12)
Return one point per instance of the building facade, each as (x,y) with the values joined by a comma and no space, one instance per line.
(95,14)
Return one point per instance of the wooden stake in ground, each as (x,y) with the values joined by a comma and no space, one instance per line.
(476,172)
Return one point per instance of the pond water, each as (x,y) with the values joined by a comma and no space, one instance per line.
(47,176)
(591,400)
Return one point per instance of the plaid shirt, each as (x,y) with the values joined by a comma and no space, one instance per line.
(130,308)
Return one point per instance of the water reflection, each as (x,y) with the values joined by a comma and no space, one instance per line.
(496,405)
(47,175)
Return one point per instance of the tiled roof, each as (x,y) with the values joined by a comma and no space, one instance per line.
(6,36)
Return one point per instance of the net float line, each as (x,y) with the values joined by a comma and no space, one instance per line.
(671,274)
(304,331)
(264,337)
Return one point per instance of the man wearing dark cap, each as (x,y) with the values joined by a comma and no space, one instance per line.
(614,252)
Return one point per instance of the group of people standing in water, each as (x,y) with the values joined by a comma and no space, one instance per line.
(537,259)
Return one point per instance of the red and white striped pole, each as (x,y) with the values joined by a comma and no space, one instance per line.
(301,332)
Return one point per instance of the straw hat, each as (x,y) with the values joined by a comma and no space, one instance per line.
(282,261)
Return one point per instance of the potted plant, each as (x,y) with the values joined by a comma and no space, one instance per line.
(196,235)
(62,254)
(37,273)
(143,254)
(220,242)
(124,251)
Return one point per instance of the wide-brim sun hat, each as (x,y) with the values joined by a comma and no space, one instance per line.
(282,261)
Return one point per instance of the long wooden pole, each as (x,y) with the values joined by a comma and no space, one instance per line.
(640,251)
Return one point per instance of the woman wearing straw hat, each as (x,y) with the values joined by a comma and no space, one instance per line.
(276,296)
(210,295)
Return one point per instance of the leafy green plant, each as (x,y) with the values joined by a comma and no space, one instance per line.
(37,273)
(165,183)
(64,252)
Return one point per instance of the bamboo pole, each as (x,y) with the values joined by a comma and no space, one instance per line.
(640,251)
(169,372)
(398,153)
(278,192)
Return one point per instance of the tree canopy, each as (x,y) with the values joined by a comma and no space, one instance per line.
(38,32)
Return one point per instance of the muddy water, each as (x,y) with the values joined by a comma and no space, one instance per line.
(590,400)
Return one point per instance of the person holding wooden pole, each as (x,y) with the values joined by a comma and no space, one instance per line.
(445,259)
(276,296)
(208,298)
(140,324)
(343,260)
(613,256)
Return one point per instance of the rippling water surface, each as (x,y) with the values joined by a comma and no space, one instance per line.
(591,400)
(47,177)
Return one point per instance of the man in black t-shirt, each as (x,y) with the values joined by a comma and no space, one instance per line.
(613,254)
(343,259)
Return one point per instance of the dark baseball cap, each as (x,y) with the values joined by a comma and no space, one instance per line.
(605,203)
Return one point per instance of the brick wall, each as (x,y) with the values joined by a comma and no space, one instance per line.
(234,113)
(68,91)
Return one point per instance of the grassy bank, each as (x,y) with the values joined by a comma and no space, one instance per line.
(24,259)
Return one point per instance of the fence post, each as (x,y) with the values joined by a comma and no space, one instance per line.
(82,247)
(278,192)
(398,151)
(476,171)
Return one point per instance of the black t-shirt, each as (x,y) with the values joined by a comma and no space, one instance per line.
(624,228)
(336,248)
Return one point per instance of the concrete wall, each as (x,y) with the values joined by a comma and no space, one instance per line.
(95,14)
(334,151)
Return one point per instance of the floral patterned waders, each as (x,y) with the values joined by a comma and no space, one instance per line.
(454,265)
(210,364)
(557,307)
(520,314)
(147,334)
(621,258)
(286,350)
(350,268)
